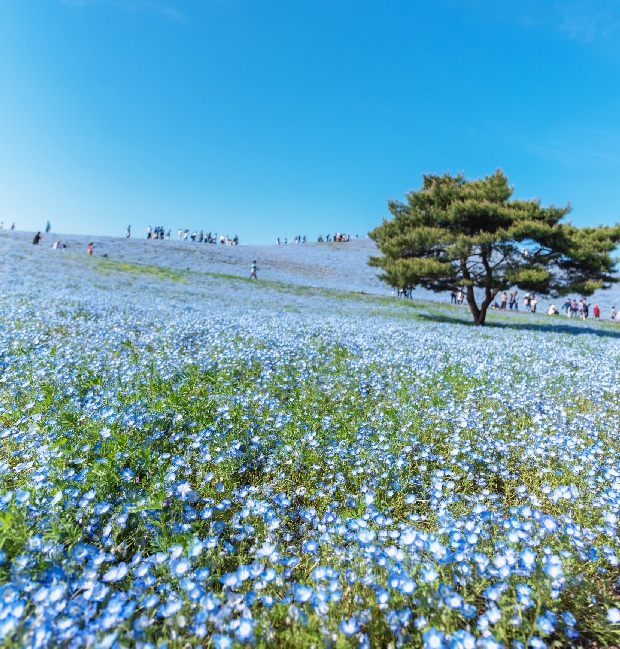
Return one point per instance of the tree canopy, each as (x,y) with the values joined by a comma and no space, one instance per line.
(455,233)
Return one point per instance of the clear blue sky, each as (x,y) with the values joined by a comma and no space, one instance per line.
(268,118)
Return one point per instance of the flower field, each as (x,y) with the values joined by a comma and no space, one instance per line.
(189,459)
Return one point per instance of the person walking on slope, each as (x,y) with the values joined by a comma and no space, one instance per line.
(253,269)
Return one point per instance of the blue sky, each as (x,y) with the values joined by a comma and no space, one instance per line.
(267,118)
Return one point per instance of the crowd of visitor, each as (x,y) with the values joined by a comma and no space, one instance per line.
(338,237)
(510,301)
(297,239)
(184,235)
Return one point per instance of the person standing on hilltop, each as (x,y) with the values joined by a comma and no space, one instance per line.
(128,234)
(37,238)
(253,269)
(48,227)
(89,248)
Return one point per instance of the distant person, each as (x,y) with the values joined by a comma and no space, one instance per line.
(168,235)
(12,226)
(37,238)
(89,248)
(56,245)
(574,309)
(613,313)
(596,312)
(48,227)
(179,233)
(128,233)
(253,269)
(504,300)
(148,232)
(452,296)
(566,306)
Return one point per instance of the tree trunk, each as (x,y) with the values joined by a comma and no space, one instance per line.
(478,313)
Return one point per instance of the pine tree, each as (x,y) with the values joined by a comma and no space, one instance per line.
(455,233)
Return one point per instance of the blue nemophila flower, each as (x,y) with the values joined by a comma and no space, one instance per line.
(151,601)
(179,567)
(429,575)
(310,546)
(302,593)
(202,574)
(433,639)
(244,630)
(102,508)
(349,627)
(171,607)
(553,567)
(116,573)
(195,548)
(489,642)
(462,639)
(184,491)
(266,550)
(407,586)
(127,474)
(382,596)
(221,641)
(569,619)
(366,536)
(528,558)
(492,593)
(613,615)
(230,580)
